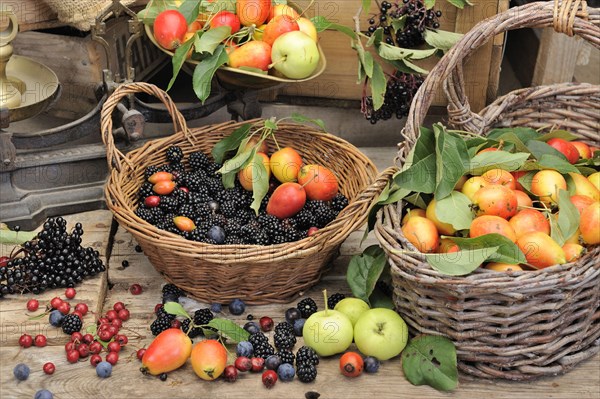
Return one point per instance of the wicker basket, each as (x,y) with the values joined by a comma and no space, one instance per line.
(518,325)
(220,273)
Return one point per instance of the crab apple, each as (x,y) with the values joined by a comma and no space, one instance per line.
(590,224)
(565,148)
(495,200)
(584,150)
(541,250)
(545,184)
(528,220)
(489,224)
(422,233)
(70,293)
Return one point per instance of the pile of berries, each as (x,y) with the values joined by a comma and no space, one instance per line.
(54,259)
(191,201)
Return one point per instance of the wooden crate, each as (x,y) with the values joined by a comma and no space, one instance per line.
(339,81)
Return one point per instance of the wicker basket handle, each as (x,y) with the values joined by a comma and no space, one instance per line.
(566,16)
(347,220)
(114,157)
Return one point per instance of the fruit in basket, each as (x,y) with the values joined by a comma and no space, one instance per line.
(209,358)
(545,184)
(590,224)
(581,202)
(252,54)
(584,187)
(253,142)
(499,176)
(167,352)
(413,212)
(489,224)
(308,27)
(595,179)
(422,233)
(573,252)
(184,223)
(443,228)
(472,185)
(287,200)
(381,333)
(352,307)
(226,18)
(528,220)
(523,200)
(160,176)
(319,182)
(541,250)
(246,175)
(282,9)
(164,187)
(328,332)
(295,55)
(495,200)
(278,26)
(503,267)
(447,246)
(285,164)
(253,12)
(170,27)
(565,148)
(584,150)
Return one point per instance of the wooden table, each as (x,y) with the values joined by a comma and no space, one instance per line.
(80,381)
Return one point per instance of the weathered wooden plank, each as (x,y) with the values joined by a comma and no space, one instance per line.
(14,317)
(556,58)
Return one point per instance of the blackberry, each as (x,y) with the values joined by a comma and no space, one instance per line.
(286,356)
(145,190)
(232,240)
(187,210)
(339,202)
(290,234)
(334,299)
(324,215)
(161,312)
(306,373)
(284,327)
(258,338)
(174,154)
(263,349)
(171,291)
(191,332)
(305,219)
(218,220)
(305,355)
(198,160)
(195,181)
(177,169)
(228,209)
(71,323)
(233,227)
(150,170)
(168,204)
(203,316)
(284,340)
(159,325)
(145,214)
(307,307)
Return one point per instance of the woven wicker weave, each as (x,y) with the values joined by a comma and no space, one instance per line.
(518,325)
(220,273)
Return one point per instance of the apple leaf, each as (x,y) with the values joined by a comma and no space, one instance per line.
(230,142)
(176,309)
(485,161)
(212,38)
(567,222)
(229,329)
(205,70)
(380,300)
(419,177)
(456,210)
(539,148)
(460,263)
(507,251)
(178,59)
(431,360)
(524,134)
(299,118)
(441,39)
(260,182)
(190,10)
(16,237)
(560,134)
(452,160)
(322,24)
(214,6)
(364,271)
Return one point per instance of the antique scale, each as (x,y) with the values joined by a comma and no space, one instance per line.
(41,174)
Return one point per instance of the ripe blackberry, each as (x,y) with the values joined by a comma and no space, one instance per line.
(263,349)
(284,340)
(228,209)
(195,181)
(258,338)
(191,332)
(145,190)
(150,170)
(339,202)
(71,323)
(286,356)
(172,292)
(159,325)
(305,219)
(177,169)
(323,213)
(290,234)
(203,316)
(334,299)
(198,160)
(218,220)
(306,373)
(187,210)
(161,312)
(214,185)
(145,214)
(233,240)
(174,154)
(306,355)
(168,204)
(284,327)
(307,307)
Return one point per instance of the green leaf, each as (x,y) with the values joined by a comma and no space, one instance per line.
(175,309)
(364,271)
(271,124)
(459,3)
(378,86)
(228,180)
(299,118)
(456,210)
(560,134)
(344,29)
(412,68)
(366,5)
(204,72)
(526,180)
(229,329)
(190,10)
(424,146)
(260,182)
(212,38)
(419,200)
(460,263)
(322,24)
(214,6)
(91,329)
(452,161)
(441,39)
(178,59)
(389,52)
(431,360)
(16,237)
(567,222)
(429,4)
(380,300)
(507,251)
(239,161)
(419,177)
(539,148)
(376,38)
(524,134)
(485,161)
(365,60)
(561,165)
(398,24)
(511,137)
(230,142)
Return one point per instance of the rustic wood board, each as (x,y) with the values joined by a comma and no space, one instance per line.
(14,317)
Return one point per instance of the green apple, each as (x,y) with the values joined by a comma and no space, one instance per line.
(352,307)
(295,55)
(380,333)
(328,332)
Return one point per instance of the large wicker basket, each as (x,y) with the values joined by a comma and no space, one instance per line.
(220,273)
(518,325)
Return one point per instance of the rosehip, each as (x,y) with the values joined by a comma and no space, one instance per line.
(269,378)
(78,314)
(69,346)
(122,339)
(64,307)
(112,330)
(40,340)
(84,350)
(104,335)
(112,357)
(175,324)
(49,368)
(258,364)
(73,356)
(77,337)
(70,293)
(243,363)
(118,306)
(117,323)
(95,359)
(81,308)
(87,338)
(55,302)
(111,315)
(135,289)
(25,341)
(33,305)
(114,347)
(4,261)
(124,314)
(95,347)
(140,353)
(103,320)
(230,373)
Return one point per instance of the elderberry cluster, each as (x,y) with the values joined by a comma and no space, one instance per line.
(400,90)
(53,259)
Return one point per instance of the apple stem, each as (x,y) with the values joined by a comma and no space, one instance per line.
(277,62)
(311,179)
(325,298)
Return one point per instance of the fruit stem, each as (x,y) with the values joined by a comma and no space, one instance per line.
(277,62)
(325,298)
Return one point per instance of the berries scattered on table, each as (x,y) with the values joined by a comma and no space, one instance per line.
(266,323)
(273,362)
(216,308)
(306,373)
(56,318)
(171,293)
(244,349)
(25,341)
(70,293)
(269,378)
(43,394)
(160,324)
(252,327)
(306,355)
(284,340)
(299,327)
(237,307)
(40,340)
(371,364)
(104,369)
(49,368)
(21,371)
(286,356)
(286,372)
(71,323)
(334,299)
(291,315)
(307,307)
(135,289)
(33,305)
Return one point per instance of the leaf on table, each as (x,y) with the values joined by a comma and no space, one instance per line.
(205,71)
(460,263)
(456,210)
(364,271)
(431,360)
(229,329)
